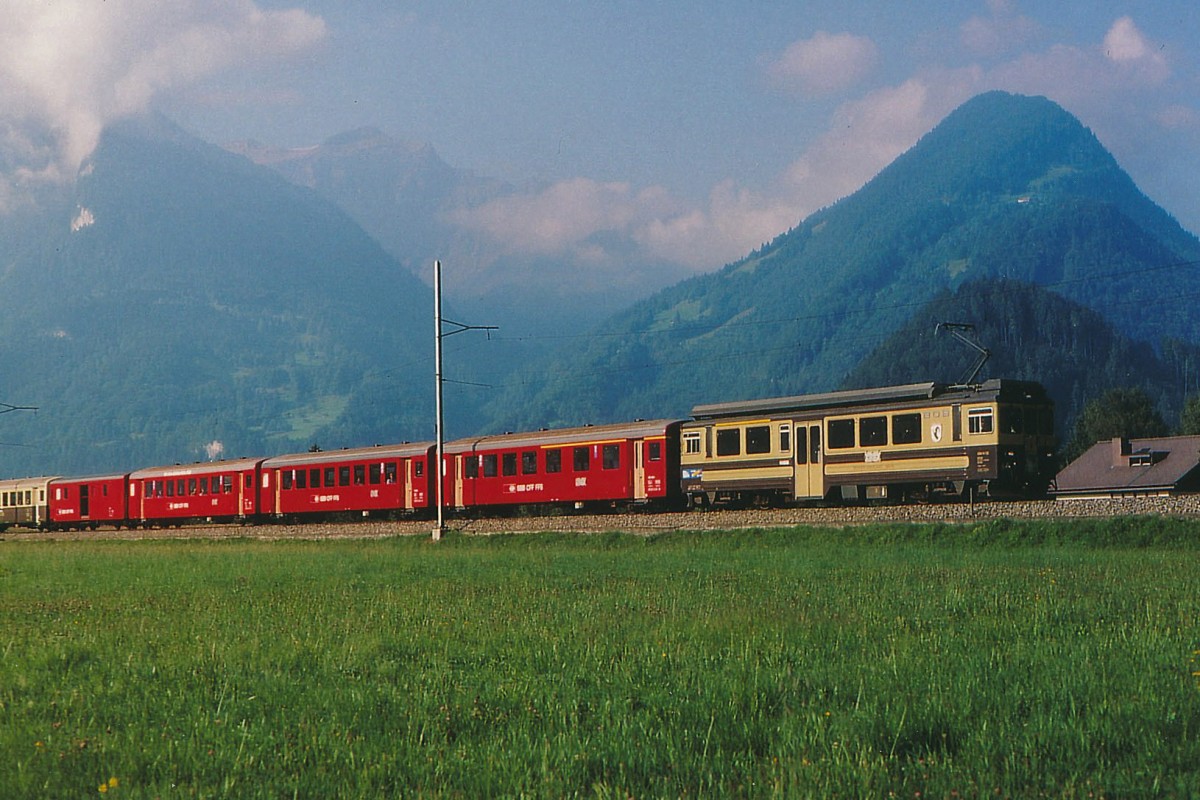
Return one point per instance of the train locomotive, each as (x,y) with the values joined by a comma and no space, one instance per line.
(897,443)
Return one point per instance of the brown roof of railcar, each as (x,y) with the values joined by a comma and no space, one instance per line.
(883,395)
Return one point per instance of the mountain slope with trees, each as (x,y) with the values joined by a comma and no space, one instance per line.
(1005,187)
(1032,334)
(179,303)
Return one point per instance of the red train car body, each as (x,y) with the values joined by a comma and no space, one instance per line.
(368,480)
(77,503)
(220,491)
(632,462)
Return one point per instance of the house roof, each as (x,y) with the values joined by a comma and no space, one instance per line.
(1129,466)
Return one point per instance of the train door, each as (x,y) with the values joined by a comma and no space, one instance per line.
(639,470)
(460,500)
(407,491)
(810,467)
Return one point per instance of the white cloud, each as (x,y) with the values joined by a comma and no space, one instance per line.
(1125,46)
(560,218)
(826,63)
(1001,32)
(68,68)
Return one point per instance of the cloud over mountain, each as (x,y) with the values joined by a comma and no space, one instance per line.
(69,68)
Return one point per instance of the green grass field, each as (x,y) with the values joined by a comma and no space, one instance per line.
(1001,659)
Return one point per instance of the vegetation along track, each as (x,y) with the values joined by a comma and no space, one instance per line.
(650,523)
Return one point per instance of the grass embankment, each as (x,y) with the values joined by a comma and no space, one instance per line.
(1001,658)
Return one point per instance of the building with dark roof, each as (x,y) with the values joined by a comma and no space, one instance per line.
(1133,468)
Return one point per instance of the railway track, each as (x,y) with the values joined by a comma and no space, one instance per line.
(650,523)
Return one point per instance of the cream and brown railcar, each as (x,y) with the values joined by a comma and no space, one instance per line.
(927,439)
(24,502)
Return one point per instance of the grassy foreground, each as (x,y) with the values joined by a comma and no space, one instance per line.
(1001,659)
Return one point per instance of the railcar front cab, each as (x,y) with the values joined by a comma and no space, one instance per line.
(924,440)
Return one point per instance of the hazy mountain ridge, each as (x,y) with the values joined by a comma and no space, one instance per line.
(414,204)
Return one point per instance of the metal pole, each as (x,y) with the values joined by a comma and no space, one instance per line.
(437,358)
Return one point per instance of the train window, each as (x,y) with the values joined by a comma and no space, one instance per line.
(375,473)
(203,487)
(1011,418)
(979,420)
(873,432)
(330,476)
(418,468)
(583,459)
(814,446)
(490,465)
(389,472)
(181,487)
(554,460)
(841,434)
(509,464)
(344,476)
(801,445)
(226,483)
(729,442)
(301,479)
(285,481)
(906,429)
(785,438)
(611,456)
(248,481)
(758,439)
(360,474)
(691,442)
(314,478)
(170,488)
(529,462)
(655,451)
(471,467)
(192,486)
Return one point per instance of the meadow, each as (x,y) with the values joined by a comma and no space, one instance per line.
(1001,659)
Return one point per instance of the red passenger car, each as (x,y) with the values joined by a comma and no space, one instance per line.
(366,481)
(78,503)
(221,491)
(631,462)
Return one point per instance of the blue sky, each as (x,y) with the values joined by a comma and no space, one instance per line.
(695,130)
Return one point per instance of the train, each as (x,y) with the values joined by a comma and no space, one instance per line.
(906,443)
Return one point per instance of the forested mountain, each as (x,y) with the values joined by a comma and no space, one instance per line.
(1007,186)
(1031,334)
(178,302)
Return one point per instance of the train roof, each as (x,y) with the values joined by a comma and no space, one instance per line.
(404,450)
(563,436)
(884,395)
(73,479)
(198,468)
(10,484)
